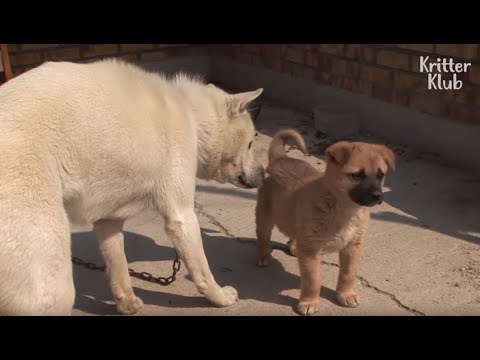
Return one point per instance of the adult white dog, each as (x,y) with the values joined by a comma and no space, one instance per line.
(94,144)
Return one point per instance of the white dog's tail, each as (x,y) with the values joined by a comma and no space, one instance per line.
(277,146)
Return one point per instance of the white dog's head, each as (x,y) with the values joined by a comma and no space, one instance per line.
(237,164)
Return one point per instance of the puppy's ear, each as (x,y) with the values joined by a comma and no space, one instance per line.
(387,155)
(237,103)
(339,153)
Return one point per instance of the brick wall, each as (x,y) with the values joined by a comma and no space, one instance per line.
(26,56)
(388,72)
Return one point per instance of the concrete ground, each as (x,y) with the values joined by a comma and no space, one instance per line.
(422,252)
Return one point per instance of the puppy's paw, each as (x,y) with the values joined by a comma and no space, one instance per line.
(348,299)
(263,261)
(129,305)
(308,307)
(222,297)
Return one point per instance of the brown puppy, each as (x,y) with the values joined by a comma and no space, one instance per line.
(321,212)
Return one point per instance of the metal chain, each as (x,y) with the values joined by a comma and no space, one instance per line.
(164,281)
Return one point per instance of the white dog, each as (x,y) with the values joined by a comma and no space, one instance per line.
(94,144)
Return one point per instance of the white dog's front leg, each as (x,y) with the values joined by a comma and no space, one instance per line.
(184,231)
(110,237)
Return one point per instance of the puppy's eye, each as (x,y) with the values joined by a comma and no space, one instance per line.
(256,134)
(250,145)
(358,176)
(380,175)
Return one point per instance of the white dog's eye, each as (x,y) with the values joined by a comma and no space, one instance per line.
(250,145)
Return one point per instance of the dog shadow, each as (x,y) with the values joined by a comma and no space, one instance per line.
(232,263)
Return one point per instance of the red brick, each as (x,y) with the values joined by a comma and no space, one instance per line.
(63,54)
(360,53)
(330,79)
(474,74)
(476,97)
(390,95)
(38,46)
(311,59)
(273,63)
(300,46)
(463,51)
(25,58)
(425,48)
(358,86)
(187,51)
(428,105)
(353,68)
(375,74)
(128,57)
(334,49)
(136,47)
(295,55)
(273,50)
(465,114)
(410,82)
(393,59)
(339,66)
(154,55)
(463,96)
(251,48)
(13,48)
(324,63)
(415,64)
(99,50)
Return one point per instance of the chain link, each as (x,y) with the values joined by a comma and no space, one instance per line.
(164,281)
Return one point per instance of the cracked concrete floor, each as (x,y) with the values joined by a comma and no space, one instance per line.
(422,253)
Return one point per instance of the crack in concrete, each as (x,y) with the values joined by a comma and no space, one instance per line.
(363,281)
(367,284)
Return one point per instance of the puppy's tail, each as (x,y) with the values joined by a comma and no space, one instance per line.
(277,146)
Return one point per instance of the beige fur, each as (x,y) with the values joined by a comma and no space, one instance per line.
(94,144)
(321,212)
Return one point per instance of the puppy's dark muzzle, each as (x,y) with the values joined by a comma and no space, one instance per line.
(376,197)
(369,197)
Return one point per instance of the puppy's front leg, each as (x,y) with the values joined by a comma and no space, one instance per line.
(349,263)
(309,260)
(184,230)
(264,227)
(110,237)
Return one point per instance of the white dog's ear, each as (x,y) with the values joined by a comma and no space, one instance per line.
(237,103)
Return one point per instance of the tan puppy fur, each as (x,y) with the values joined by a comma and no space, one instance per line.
(321,212)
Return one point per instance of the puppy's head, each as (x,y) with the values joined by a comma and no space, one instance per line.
(359,169)
(238,165)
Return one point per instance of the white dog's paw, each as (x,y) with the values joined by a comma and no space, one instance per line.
(348,299)
(308,307)
(129,305)
(264,260)
(222,297)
